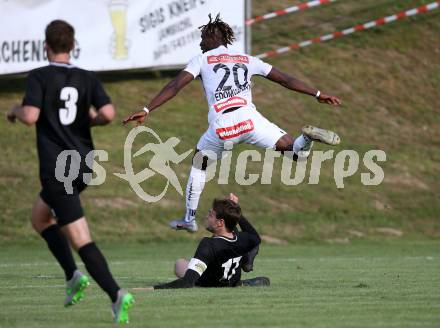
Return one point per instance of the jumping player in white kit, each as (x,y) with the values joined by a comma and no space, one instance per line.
(226,77)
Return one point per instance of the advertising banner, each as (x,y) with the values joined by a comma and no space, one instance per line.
(113,34)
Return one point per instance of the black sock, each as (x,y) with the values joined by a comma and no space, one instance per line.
(97,266)
(60,248)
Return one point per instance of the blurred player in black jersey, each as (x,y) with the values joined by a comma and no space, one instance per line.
(58,100)
(218,259)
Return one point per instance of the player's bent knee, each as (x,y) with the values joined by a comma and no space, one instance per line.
(200,161)
(180,267)
(285,143)
(41,217)
(78,233)
(79,241)
(39,226)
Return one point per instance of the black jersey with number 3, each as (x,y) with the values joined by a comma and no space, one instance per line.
(64,95)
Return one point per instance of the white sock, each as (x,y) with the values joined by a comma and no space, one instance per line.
(194,188)
(302,144)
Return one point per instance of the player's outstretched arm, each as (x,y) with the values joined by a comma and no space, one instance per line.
(198,264)
(168,92)
(187,281)
(26,114)
(294,84)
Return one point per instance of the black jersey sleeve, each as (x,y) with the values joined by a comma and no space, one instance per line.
(247,228)
(187,281)
(34,91)
(99,96)
(196,267)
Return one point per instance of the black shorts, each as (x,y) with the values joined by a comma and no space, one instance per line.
(65,207)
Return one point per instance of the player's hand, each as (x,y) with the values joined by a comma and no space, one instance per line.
(92,113)
(233,197)
(330,100)
(138,117)
(10,115)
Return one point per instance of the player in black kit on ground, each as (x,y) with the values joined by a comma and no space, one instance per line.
(58,100)
(218,259)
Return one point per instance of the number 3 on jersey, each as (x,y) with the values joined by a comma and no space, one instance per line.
(70,96)
(230,266)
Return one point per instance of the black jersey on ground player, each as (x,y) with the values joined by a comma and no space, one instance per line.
(216,262)
(64,94)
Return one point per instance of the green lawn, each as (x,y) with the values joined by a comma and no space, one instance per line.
(391,283)
(353,257)
(388,81)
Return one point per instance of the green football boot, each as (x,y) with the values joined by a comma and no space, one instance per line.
(120,308)
(75,288)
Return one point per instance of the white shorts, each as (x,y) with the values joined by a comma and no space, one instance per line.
(243,125)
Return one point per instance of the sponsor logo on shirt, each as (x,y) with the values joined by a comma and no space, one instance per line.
(225,58)
(235,130)
(229,103)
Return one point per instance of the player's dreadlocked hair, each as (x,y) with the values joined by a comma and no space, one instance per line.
(217,27)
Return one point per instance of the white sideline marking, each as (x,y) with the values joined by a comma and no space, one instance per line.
(288,259)
(30,264)
(323,259)
(31,286)
(8,265)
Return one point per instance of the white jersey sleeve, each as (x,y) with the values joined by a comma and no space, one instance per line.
(194,66)
(259,67)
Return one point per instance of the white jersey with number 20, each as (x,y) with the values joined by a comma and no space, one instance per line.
(226,76)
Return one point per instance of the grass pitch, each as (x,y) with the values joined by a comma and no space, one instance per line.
(388,79)
(391,283)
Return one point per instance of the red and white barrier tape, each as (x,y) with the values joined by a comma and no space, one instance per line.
(282,12)
(338,34)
